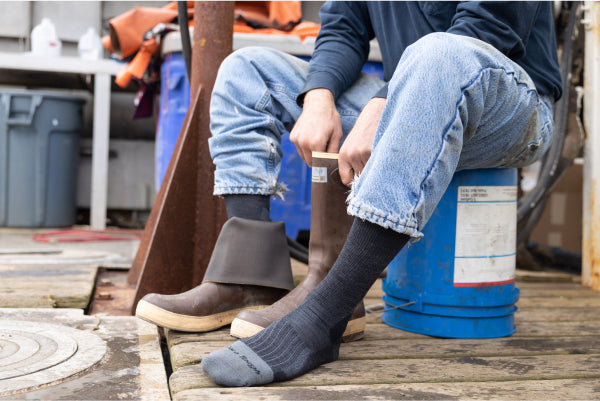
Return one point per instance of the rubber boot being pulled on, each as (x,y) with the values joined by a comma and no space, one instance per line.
(329,227)
(249,269)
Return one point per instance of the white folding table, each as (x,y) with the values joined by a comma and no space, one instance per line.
(102,70)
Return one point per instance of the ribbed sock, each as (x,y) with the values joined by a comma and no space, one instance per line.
(252,207)
(311,334)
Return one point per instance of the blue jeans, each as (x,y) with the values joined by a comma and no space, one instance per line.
(453,103)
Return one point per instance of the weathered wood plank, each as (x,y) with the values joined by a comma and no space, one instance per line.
(586,323)
(530,390)
(423,347)
(555,353)
(439,370)
(559,302)
(46,286)
(577,291)
(428,347)
(192,353)
(549,314)
(547,276)
(178,337)
(540,285)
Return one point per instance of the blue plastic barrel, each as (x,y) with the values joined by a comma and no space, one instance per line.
(295,209)
(458,280)
(174,102)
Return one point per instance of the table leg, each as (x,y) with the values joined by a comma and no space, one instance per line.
(101,132)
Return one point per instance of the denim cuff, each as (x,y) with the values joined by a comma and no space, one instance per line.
(224,189)
(379,218)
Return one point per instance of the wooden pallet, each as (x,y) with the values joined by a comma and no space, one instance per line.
(555,354)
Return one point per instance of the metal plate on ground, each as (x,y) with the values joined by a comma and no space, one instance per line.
(34,354)
(132,367)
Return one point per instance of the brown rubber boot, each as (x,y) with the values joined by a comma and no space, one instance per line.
(329,227)
(249,269)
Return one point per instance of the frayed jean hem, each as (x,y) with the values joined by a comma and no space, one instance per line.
(379,218)
(279,190)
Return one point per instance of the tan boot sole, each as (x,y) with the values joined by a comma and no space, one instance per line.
(354,330)
(175,321)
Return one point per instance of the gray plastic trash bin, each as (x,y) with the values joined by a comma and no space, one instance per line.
(39,151)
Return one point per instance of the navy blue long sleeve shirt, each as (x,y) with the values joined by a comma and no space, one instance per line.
(523,31)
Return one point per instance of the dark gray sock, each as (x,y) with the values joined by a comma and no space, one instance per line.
(311,335)
(252,207)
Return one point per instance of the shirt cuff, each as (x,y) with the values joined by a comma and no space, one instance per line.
(318,80)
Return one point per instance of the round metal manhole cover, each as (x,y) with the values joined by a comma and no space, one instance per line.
(35,354)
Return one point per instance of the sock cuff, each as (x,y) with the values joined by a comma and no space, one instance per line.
(378,241)
(252,207)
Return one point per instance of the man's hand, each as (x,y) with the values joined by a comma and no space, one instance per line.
(356,149)
(319,127)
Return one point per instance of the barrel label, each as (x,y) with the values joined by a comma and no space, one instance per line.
(486,236)
(319,174)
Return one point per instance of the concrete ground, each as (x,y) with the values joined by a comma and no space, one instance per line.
(54,343)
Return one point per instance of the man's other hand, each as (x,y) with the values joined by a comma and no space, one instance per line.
(319,127)
(356,150)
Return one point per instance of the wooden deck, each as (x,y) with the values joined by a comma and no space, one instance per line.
(554,355)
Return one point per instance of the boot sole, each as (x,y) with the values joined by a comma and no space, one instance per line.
(175,321)
(355,330)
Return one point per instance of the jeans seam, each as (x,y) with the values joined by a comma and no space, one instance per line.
(261,105)
(271,158)
(281,89)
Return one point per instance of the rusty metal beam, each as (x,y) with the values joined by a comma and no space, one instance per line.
(164,260)
(186,218)
(212,42)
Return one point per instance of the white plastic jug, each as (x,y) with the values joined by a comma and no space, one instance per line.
(90,45)
(44,41)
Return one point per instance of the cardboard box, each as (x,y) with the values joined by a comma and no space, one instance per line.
(561,222)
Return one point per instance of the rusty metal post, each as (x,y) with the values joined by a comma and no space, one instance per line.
(212,42)
(590,266)
(186,219)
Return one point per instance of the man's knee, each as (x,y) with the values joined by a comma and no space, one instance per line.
(237,70)
(253,57)
(443,50)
